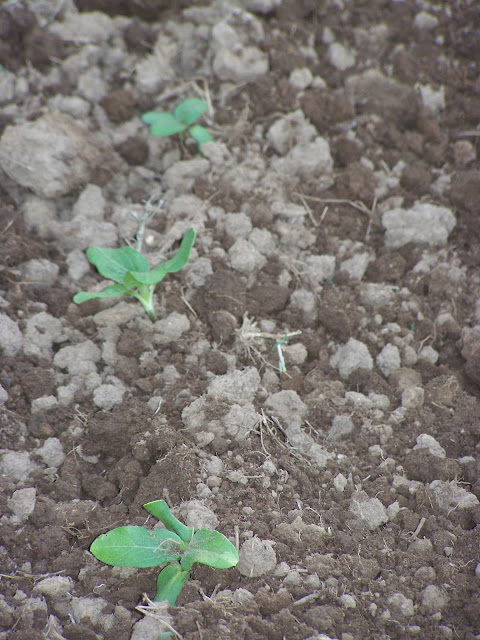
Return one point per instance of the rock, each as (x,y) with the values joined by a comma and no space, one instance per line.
(287,406)
(51,452)
(171,328)
(341,426)
(42,331)
(11,338)
(370,510)
(3,396)
(425,21)
(197,515)
(377,295)
(22,502)
(422,224)
(239,386)
(352,356)
(181,175)
(356,266)
(450,496)
(429,354)
(106,396)
(234,59)
(82,28)
(245,257)
(257,557)
(61,155)
(340,57)
(45,403)
(40,272)
(291,129)
(400,606)
(424,441)
(16,465)
(320,269)
(301,78)
(433,599)
(74,357)
(388,360)
(412,397)
(55,587)
(306,159)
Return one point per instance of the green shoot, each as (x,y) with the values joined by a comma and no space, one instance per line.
(131,272)
(178,545)
(167,124)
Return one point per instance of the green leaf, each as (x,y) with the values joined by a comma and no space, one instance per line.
(170,582)
(163,124)
(200,135)
(173,265)
(112,291)
(159,509)
(211,548)
(136,547)
(189,110)
(113,264)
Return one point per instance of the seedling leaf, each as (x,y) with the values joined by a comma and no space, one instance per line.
(211,548)
(160,510)
(136,547)
(189,110)
(173,265)
(112,291)
(170,582)
(113,264)
(200,135)
(163,124)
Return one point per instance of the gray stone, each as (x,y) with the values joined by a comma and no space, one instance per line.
(400,605)
(73,357)
(352,356)
(237,225)
(3,396)
(388,360)
(422,224)
(238,387)
(433,599)
(245,257)
(107,396)
(306,159)
(181,175)
(42,331)
(171,328)
(22,502)
(54,587)
(287,406)
(16,465)
(61,155)
(450,496)
(425,21)
(377,295)
(424,441)
(340,57)
(43,404)
(10,336)
(257,557)
(197,515)
(93,27)
(370,510)
(292,128)
(40,272)
(413,397)
(51,452)
(341,426)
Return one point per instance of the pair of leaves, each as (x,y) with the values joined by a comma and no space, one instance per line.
(139,547)
(130,269)
(178,544)
(167,124)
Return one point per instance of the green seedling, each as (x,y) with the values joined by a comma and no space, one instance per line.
(180,121)
(178,545)
(131,271)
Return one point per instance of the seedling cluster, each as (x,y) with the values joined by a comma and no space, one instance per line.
(131,272)
(166,124)
(178,545)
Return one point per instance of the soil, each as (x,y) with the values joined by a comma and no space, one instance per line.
(327,448)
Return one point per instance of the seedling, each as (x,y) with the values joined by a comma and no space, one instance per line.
(131,271)
(166,124)
(178,545)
